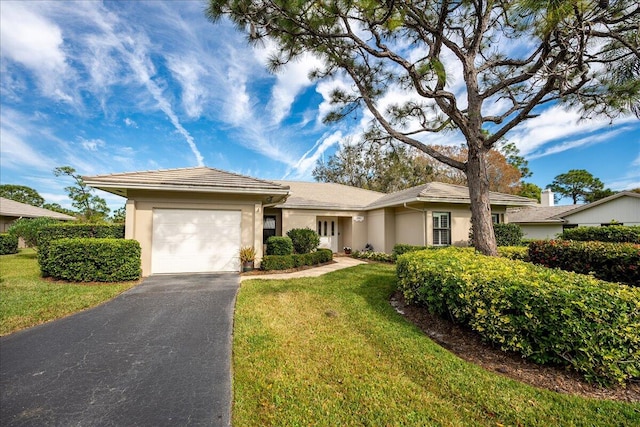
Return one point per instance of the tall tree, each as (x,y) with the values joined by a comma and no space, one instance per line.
(56,207)
(374,167)
(512,56)
(530,190)
(579,185)
(22,194)
(92,208)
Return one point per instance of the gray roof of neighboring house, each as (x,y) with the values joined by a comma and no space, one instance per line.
(325,195)
(538,214)
(556,214)
(201,179)
(12,208)
(444,193)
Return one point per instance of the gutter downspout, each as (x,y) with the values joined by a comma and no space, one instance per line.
(424,222)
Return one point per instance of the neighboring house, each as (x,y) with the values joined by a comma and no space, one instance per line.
(196,219)
(10,210)
(546,221)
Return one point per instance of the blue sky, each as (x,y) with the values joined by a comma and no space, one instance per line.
(124,86)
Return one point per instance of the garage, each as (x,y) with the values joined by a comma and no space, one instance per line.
(195,241)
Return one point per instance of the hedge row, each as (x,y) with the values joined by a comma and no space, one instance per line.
(54,232)
(520,253)
(614,262)
(8,244)
(304,240)
(285,262)
(94,260)
(374,256)
(506,234)
(549,316)
(611,233)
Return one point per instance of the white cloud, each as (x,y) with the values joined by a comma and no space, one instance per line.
(36,43)
(307,162)
(92,144)
(130,123)
(190,73)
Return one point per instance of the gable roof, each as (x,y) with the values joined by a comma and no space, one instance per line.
(200,179)
(538,214)
(444,193)
(556,214)
(326,195)
(603,201)
(12,208)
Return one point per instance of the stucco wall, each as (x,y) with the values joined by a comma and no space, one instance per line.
(139,222)
(411,227)
(625,209)
(381,229)
(542,231)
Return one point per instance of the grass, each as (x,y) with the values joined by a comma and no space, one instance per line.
(26,299)
(331,351)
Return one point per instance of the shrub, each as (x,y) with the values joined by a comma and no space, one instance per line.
(58,231)
(514,252)
(277,245)
(8,244)
(374,256)
(285,262)
(304,240)
(401,249)
(611,233)
(29,228)
(507,234)
(615,262)
(94,260)
(549,316)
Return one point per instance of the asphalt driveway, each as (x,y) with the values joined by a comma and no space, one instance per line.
(157,355)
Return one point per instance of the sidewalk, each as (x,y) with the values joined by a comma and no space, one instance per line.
(340,263)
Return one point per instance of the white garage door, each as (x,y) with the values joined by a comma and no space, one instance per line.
(195,241)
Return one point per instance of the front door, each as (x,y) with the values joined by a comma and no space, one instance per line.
(328,231)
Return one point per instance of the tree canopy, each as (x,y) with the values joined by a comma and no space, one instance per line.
(479,68)
(579,185)
(22,194)
(90,206)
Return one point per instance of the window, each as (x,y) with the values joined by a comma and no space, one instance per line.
(441,228)
(268,227)
(495,218)
(333,228)
(568,226)
(608,224)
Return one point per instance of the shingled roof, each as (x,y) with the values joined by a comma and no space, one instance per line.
(444,193)
(201,179)
(325,195)
(15,209)
(539,214)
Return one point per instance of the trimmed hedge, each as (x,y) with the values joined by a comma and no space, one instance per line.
(614,262)
(514,252)
(401,249)
(29,228)
(279,245)
(8,244)
(304,240)
(94,260)
(59,231)
(507,234)
(610,233)
(374,256)
(549,316)
(285,262)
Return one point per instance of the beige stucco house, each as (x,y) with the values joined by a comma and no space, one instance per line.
(546,221)
(197,219)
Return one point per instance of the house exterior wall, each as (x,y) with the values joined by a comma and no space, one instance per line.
(5,223)
(411,227)
(625,210)
(460,222)
(140,206)
(352,225)
(540,231)
(381,229)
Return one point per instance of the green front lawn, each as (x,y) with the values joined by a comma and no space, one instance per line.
(26,299)
(332,351)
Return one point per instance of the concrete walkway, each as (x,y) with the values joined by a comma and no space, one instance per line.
(340,263)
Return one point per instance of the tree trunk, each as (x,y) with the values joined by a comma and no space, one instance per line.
(484,238)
